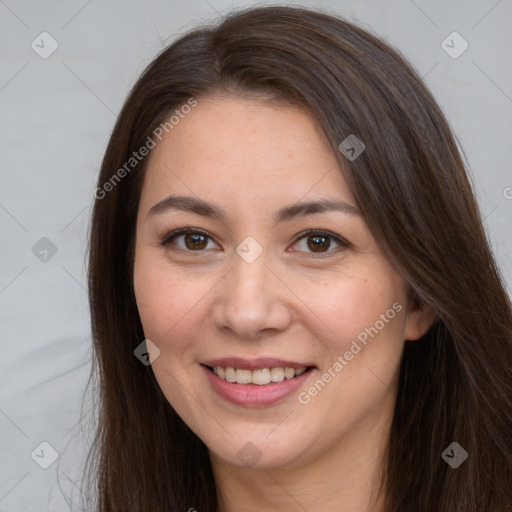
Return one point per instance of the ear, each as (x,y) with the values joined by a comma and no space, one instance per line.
(420,318)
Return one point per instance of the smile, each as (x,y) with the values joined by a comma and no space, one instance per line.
(259,387)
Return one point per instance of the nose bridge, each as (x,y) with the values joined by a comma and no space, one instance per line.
(249,271)
(247,283)
(248,278)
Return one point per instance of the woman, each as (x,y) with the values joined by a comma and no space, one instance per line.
(294,304)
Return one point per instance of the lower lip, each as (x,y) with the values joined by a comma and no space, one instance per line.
(253,395)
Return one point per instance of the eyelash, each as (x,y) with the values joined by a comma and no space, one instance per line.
(168,238)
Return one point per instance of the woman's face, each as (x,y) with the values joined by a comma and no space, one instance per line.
(280,270)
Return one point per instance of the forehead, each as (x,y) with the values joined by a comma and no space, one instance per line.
(230,147)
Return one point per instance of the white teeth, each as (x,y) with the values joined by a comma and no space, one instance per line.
(260,377)
(230,375)
(243,376)
(277,374)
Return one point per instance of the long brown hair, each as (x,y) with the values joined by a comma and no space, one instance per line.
(412,187)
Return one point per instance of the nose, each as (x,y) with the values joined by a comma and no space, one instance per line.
(251,301)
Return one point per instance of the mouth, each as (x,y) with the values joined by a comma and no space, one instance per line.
(256,383)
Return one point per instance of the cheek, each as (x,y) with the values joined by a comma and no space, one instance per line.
(167,300)
(363,319)
(349,303)
(362,347)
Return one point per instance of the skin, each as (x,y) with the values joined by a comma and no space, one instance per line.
(251,158)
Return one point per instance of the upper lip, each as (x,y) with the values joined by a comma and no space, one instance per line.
(254,364)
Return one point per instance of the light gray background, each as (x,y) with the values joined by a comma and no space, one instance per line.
(56,116)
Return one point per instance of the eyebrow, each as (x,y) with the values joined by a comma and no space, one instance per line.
(196,205)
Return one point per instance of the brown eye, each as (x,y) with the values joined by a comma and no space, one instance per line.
(194,241)
(319,242)
(190,240)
